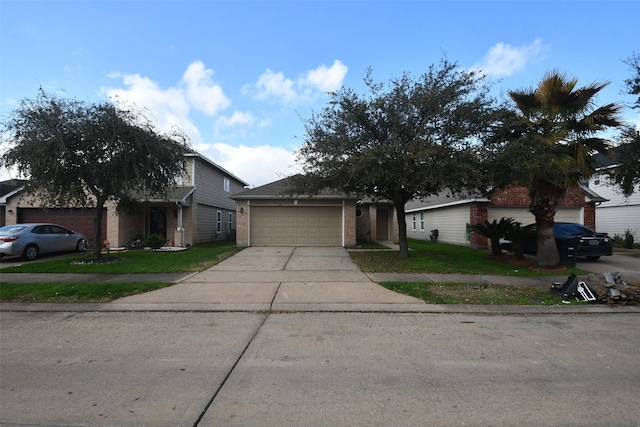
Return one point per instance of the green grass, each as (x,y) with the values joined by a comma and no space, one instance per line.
(371,245)
(475,293)
(73,292)
(197,258)
(435,257)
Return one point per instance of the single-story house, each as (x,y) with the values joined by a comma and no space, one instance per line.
(197,210)
(453,215)
(618,213)
(270,215)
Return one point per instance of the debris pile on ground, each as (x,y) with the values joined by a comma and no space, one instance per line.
(609,288)
(606,288)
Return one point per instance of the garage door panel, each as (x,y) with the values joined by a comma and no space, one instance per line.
(296,226)
(522,215)
(76,219)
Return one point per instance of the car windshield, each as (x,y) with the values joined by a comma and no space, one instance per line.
(574,229)
(11,229)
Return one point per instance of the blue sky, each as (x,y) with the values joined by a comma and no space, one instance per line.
(240,77)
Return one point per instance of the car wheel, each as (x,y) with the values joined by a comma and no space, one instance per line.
(81,246)
(30,252)
(592,258)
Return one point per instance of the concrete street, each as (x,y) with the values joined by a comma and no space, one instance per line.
(284,337)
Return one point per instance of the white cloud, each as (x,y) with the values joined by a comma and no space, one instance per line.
(256,165)
(304,89)
(169,107)
(327,79)
(204,95)
(503,60)
(238,118)
(172,106)
(275,85)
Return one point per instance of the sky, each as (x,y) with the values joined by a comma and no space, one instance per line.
(240,78)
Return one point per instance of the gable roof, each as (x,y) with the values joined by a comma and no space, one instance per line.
(443,200)
(282,189)
(216,166)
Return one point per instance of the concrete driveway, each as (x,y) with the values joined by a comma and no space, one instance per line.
(277,278)
(200,354)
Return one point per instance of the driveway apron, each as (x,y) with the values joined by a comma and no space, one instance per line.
(277,278)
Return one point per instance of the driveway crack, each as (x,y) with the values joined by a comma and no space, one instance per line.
(235,364)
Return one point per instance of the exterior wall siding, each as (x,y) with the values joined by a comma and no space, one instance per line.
(618,213)
(617,219)
(451,223)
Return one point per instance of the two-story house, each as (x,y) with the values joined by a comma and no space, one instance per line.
(618,213)
(197,210)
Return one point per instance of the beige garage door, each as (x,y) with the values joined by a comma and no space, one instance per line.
(296,226)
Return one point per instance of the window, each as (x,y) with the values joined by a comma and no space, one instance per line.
(596,179)
(219,222)
(227,184)
(421,221)
(414,222)
(230,221)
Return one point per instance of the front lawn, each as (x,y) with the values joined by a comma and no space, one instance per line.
(197,258)
(73,292)
(435,257)
(475,293)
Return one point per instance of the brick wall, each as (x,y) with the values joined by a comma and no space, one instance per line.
(478,213)
(519,196)
(242,223)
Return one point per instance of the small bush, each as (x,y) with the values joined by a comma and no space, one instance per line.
(629,237)
(155,241)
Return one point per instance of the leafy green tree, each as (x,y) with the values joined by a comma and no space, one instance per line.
(627,172)
(407,139)
(632,84)
(546,143)
(80,154)
(494,231)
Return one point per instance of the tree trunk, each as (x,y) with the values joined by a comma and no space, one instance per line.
(97,230)
(547,253)
(496,250)
(402,230)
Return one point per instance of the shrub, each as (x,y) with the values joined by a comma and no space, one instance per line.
(629,237)
(155,241)
(494,231)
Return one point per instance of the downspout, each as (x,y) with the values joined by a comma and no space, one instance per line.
(180,228)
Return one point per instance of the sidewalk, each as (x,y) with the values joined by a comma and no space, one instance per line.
(288,280)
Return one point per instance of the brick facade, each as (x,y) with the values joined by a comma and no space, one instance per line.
(519,197)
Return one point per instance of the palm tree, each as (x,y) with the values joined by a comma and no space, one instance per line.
(550,140)
(494,231)
(519,235)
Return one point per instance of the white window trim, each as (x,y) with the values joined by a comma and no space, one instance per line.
(421,221)
(226,184)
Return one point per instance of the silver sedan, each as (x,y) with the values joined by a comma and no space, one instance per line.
(31,240)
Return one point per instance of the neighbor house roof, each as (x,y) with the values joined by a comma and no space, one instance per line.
(442,200)
(447,199)
(282,189)
(10,187)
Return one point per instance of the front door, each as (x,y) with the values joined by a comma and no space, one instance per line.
(382,224)
(158,221)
